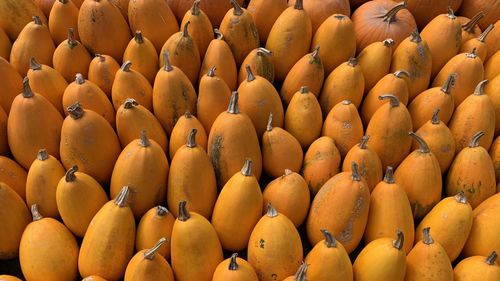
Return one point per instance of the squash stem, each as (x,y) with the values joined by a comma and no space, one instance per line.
(150,254)
(42,154)
(129,103)
(27,92)
(435,117)
(448,84)
(121,199)
(35,213)
(364,140)
(461,198)
(427,236)
(75,111)
(271,211)
(389,175)
(390,16)
(126,66)
(183,212)
(475,139)
(492,258)
(233,104)
(330,241)
(71,38)
(469,26)
(191,139)
(485,33)
(70,174)
(34,65)
(300,275)
(269,126)
(400,238)
(237,10)
(233,265)
(138,38)
(143,139)
(355,175)
(424,148)
(195,9)
(247,168)
(211,71)
(479,91)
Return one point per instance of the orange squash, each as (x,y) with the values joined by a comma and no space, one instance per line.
(12,84)
(236,269)
(264,14)
(5,45)
(261,63)
(200,27)
(477,268)
(71,57)
(155,224)
(492,90)
(102,70)
(319,11)
(142,53)
(495,157)
(63,15)
(191,178)
(130,83)
(215,9)
(492,9)
(44,5)
(122,6)
(48,82)
(375,61)
(180,134)
(13,175)
(425,10)
(148,265)
(4,141)
(16,14)
(478,44)
(9,278)
(470,28)
(492,41)
(300,275)
(321,162)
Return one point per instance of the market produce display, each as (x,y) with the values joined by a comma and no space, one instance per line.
(250,140)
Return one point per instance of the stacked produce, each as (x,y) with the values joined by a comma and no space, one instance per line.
(249,140)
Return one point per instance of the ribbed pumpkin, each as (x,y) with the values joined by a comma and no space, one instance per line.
(130,83)
(375,61)
(48,82)
(274,247)
(33,41)
(48,250)
(236,269)
(142,53)
(264,14)
(79,197)
(472,172)
(102,28)
(147,264)
(102,70)
(388,130)
(289,39)
(27,132)
(16,14)
(173,94)
(382,259)
(470,28)
(180,134)
(341,206)
(390,209)
(451,222)
(321,162)
(63,15)
(478,44)
(191,178)
(346,82)
(108,244)
(428,261)
(200,27)
(71,57)
(492,9)
(477,268)
(155,224)
(12,84)
(41,183)
(14,217)
(261,63)
(87,140)
(13,175)
(337,40)
(195,248)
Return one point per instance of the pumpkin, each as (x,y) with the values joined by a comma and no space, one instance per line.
(45,6)
(4,141)
(13,175)
(389,209)
(142,53)
(148,265)
(472,172)
(492,9)
(155,224)
(191,178)
(71,57)
(264,14)
(274,247)
(122,6)
(492,90)
(300,275)
(215,10)
(477,267)
(79,197)
(321,162)
(130,83)
(425,10)
(470,28)
(478,44)
(492,41)
(260,62)
(195,248)
(93,278)
(48,82)
(375,61)
(12,84)
(234,268)
(341,206)
(491,69)
(63,15)
(495,155)
(181,132)
(319,11)
(14,216)
(5,45)
(15,14)
(200,27)
(102,70)
(9,278)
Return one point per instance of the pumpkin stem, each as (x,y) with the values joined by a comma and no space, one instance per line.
(75,110)
(300,275)
(299,5)
(364,140)
(150,254)
(271,211)
(247,168)
(139,39)
(195,9)
(161,211)
(329,239)
(451,13)
(389,42)
(218,34)
(287,172)
(37,20)
(393,99)
(126,66)
(129,103)
(64,1)
(42,154)
(167,67)
(269,126)
(401,73)
(461,198)
(400,238)
(424,148)
(143,139)
(70,174)
(490,260)
(79,79)
(346,102)
(211,71)
(315,55)
(27,92)
(352,62)
(185,32)
(435,117)
(100,57)
(121,199)
(34,65)
(250,76)
(237,10)
(475,139)
(183,212)
(472,54)
(191,139)
(304,90)
(34,213)
(448,84)
(233,265)
(390,16)
(355,172)
(71,38)
(233,104)
(427,236)
(479,91)
(415,36)
(263,52)
(485,33)
(389,175)
(469,26)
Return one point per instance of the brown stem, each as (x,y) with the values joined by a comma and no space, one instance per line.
(233,104)
(460,197)
(479,91)
(138,38)
(161,211)
(271,211)
(401,73)
(79,79)
(150,254)
(27,92)
(233,265)
(34,65)
(100,57)
(435,117)
(304,90)
(191,139)
(472,54)
(329,239)
(389,42)
(389,175)
(451,13)
(390,16)
(237,10)
(218,34)
(491,259)
(143,139)
(34,213)
(250,76)
(269,126)
(126,66)
(42,154)
(339,16)
(299,5)
(424,148)
(352,62)
(355,175)
(185,32)
(263,52)
(393,99)
(195,9)
(64,1)
(300,275)
(70,174)
(211,71)
(415,36)
(364,140)
(121,198)
(37,20)
(400,238)
(71,38)
(129,103)
(475,139)
(287,172)
(75,110)
(315,55)
(247,168)
(469,26)
(183,212)
(449,84)
(346,102)
(427,236)
(167,67)
(485,33)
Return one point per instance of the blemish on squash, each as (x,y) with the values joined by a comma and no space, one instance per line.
(261,243)
(216,147)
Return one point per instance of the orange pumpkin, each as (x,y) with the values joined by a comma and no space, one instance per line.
(182,130)
(71,57)
(48,82)
(200,27)
(375,61)
(142,53)
(102,70)
(478,267)
(130,83)
(236,269)
(265,13)
(478,44)
(260,61)
(155,224)
(321,162)
(16,14)
(63,15)
(147,265)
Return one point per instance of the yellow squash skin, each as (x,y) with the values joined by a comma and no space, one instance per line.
(341,206)
(235,269)
(238,209)
(148,265)
(264,14)
(41,183)
(27,132)
(274,248)
(155,224)
(382,259)
(12,84)
(14,216)
(261,63)
(180,133)
(375,61)
(142,53)
(63,15)
(389,210)
(130,83)
(420,176)
(492,90)
(79,197)
(321,162)
(196,250)
(102,70)
(71,57)
(191,178)
(13,175)
(369,163)
(328,260)
(289,39)
(451,222)
(200,27)
(428,261)
(108,244)
(48,250)
(477,268)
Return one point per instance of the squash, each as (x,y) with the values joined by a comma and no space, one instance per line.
(478,44)
(155,224)
(63,15)
(477,267)
(492,41)
(142,53)
(200,27)
(300,275)
(9,278)
(4,141)
(130,83)
(102,70)
(215,10)
(41,184)
(13,175)
(71,57)
(264,14)
(375,61)
(425,10)
(274,247)
(470,28)
(321,162)
(148,265)
(182,130)
(191,178)
(14,216)
(108,244)
(236,269)
(492,9)
(122,6)
(495,155)
(27,132)
(260,61)
(48,82)
(48,250)
(491,69)
(5,45)
(389,209)
(12,84)
(78,198)
(44,5)
(195,248)
(319,11)
(492,90)
(15,14)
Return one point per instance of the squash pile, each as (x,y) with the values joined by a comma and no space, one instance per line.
(250,140)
